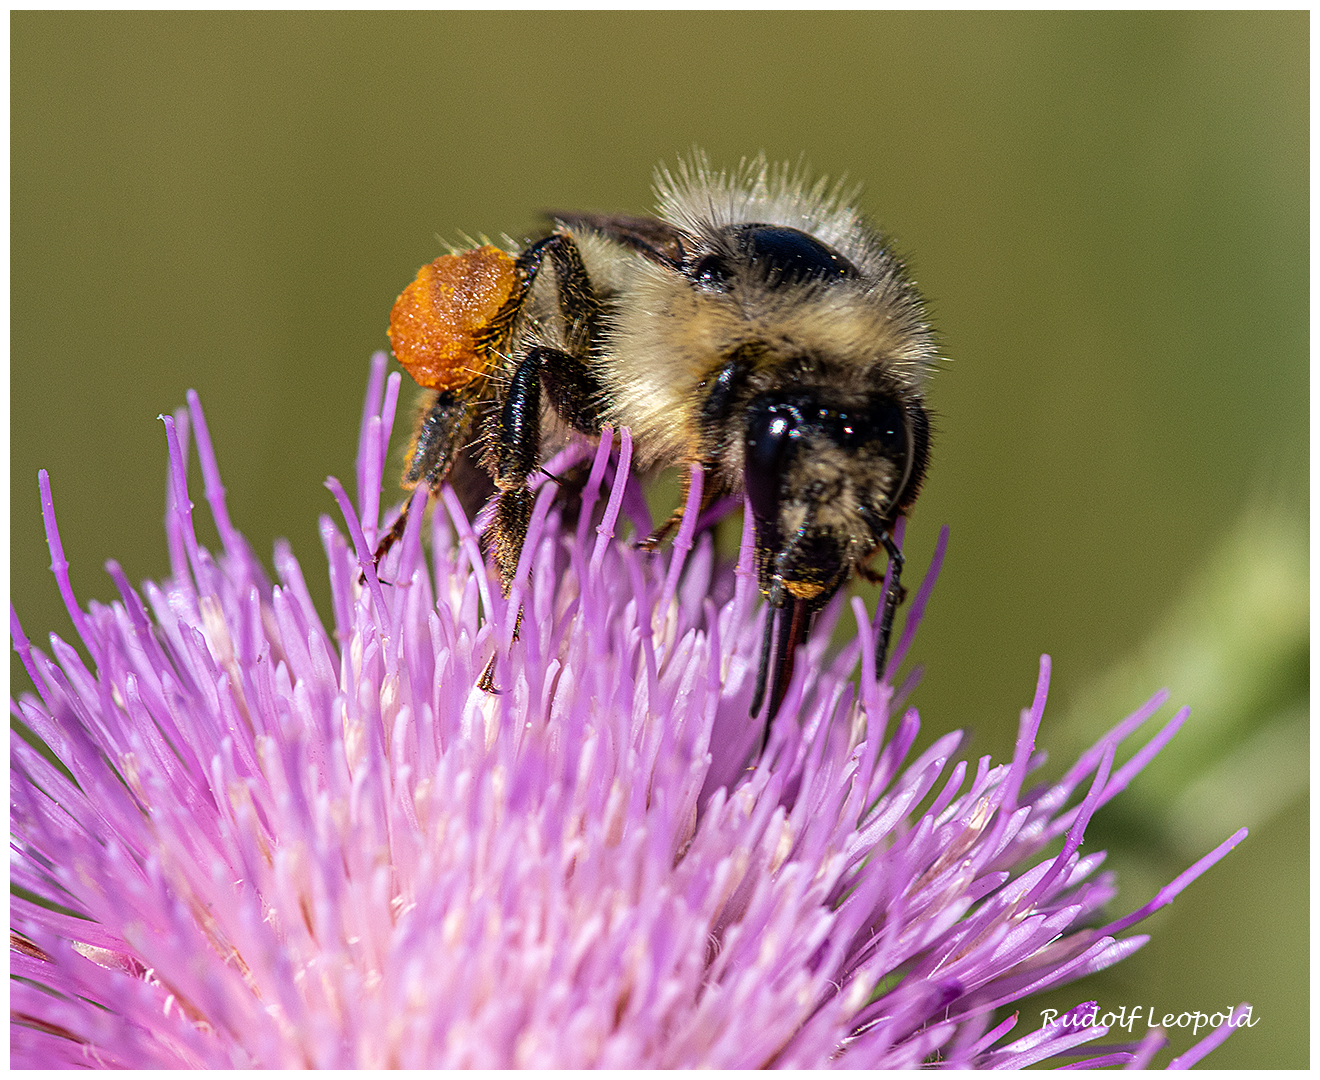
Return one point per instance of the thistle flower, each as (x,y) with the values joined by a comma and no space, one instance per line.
(269,844)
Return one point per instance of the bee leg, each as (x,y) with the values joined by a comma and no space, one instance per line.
(709,493)
(870,573)
(571,483)
(392,537)
(487,680)
(514,437)
(658,537)
(513,433)
(513,447)
(721,393)
(575,391)
(514,443)
(893,597)
(446,420)
(877,577)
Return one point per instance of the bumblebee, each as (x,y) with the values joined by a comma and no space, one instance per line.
(756,327)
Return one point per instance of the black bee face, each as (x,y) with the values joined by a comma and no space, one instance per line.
(825,480)
(815,409)
(825,477)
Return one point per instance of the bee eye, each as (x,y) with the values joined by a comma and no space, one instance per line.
(777,252)
(884,422)
(880,421)
(792,255)
(771,439)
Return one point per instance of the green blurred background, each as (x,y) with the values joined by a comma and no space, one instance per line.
(1107,211)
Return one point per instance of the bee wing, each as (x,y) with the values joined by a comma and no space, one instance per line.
(658,240)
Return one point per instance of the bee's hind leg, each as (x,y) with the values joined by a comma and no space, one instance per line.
(513,432)
(513,449)
(513,444)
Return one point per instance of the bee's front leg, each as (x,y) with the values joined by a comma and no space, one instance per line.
(892,599)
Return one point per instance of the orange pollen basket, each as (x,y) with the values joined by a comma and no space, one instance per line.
(437,321)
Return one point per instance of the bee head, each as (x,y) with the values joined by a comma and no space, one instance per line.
(825,477)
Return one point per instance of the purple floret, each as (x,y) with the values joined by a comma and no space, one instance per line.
(272,844)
